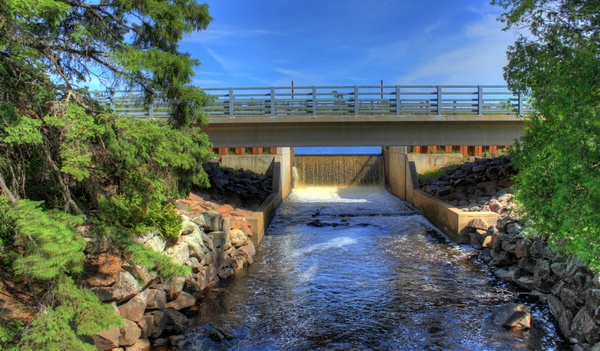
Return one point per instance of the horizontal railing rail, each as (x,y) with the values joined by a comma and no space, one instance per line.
(477,100)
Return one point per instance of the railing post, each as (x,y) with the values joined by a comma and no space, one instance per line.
(355,100)
(314,100)
(112,100)
(397,99)
(479,100)
(272,101)
(439,100)
(231,103)
(151,110)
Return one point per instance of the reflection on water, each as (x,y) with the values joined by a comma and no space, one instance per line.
(373,276)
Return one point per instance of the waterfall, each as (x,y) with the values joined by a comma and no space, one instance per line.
(346,170)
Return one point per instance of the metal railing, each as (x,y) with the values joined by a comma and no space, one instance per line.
(477,100)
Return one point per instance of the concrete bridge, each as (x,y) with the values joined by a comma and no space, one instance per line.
(350,115)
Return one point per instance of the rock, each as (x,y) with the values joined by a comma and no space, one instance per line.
(536,249)
(475,240)
(126,288)
(174,287)
(487,241)
(107,339)
(209,221)
(184,300)
(506,273)
(159,323)
(513,316)
(218,238)
(571,298)
(543,278)
(525,282)
(478,223)
(179,252)
(488,188)
(102,271)
(556,306)
(130,333)
(495,205)
(135,307)
(140,345)
(160,344)
(177,319)
(237,237)
(142,274)
(514,228)
(521,248)
(248,248)
(501,259)
(177,340)
(564,322)
(153,240)
(156,300)
(146,325)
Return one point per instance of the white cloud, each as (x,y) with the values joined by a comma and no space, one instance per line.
(478,59)
(224,34)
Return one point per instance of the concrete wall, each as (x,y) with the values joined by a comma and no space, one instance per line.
(402,181)
(280,166)
(261,164)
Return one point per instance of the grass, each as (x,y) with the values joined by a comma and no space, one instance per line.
(432,174)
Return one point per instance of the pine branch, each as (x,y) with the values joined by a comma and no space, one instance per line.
(7,191)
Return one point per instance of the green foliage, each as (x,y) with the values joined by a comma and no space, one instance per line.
(7,226)
(60,148)
(77,128)
(147,257)
(558,158)
(51,331)
(436,173)
(50,243)
(78,313)
(9,332)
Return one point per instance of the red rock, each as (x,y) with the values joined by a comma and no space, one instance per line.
(186,201)
(107,339)
(130,333)
(141,345)
(195,198)
(224,209)
(134,308)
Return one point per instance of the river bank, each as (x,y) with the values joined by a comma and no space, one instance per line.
(565,283)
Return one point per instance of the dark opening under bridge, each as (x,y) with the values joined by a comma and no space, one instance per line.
(349,115)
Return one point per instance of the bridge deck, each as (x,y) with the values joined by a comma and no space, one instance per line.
(253,131)
(349,115)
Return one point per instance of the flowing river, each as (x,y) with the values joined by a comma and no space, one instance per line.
(358,269)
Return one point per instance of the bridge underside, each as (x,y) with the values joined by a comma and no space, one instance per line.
(282,131)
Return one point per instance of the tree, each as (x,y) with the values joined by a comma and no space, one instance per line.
(66,161)
(556,62)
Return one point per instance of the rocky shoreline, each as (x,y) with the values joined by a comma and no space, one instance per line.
(214,242)
(565,283)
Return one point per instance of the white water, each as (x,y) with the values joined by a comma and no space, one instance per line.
(376,276)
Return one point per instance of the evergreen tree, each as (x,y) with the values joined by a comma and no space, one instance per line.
(556,62)
(65,161)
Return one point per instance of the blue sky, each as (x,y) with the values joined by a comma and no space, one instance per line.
(255,43)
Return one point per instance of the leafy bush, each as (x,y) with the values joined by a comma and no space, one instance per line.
(558,157)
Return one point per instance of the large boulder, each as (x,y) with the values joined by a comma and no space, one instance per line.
(135,307)
(513,316)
